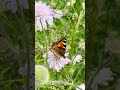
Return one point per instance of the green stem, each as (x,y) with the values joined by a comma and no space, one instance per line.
(82,13)
(26,36)
(64,83)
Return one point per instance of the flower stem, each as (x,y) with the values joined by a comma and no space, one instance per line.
(64,83)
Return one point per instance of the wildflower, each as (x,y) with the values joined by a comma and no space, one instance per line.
(68,3)
(44,15)
(11,5)
(82,44)
(78,58)
(102,78)
(73,2)
(41,75)
(56,62)
(81,87)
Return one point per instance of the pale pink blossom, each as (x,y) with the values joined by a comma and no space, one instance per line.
(56,62)
(44,15)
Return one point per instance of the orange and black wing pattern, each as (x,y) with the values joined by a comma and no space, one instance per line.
(59,47)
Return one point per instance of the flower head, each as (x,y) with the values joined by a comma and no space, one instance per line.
(78,58)
(81,87)
(102,78)
(56,62)
(41,75)
(44,15)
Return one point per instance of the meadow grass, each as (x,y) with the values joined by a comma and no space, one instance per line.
(72,26)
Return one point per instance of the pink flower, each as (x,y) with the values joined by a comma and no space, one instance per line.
(44,15)
(56,62)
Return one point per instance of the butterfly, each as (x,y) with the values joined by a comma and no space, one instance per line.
(59,47)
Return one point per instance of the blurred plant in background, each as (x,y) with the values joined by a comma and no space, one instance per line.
(13,5)
(102,45)
(16,45)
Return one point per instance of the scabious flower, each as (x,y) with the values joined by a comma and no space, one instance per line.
(41,75)
(12,5)
(78,58)
(44,15)
(81,87)
(102,78)
(56,62)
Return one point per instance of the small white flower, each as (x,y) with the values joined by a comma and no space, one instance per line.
(73,2)
(102,78)
(82,45)
(56,62)
(58,14)
(83,5)
(78,58)
(81,87)
(68,3)
(44,15)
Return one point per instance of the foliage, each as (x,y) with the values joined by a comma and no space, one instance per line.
(102,41)
(72,26)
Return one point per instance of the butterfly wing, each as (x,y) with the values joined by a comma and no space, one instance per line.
(58,48)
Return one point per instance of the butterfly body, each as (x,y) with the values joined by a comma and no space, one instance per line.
(59,47)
